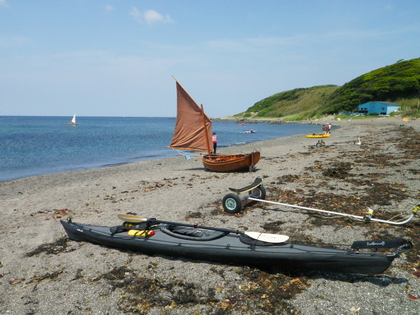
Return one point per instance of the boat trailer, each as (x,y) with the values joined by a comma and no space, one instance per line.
(232,203)
(321,143)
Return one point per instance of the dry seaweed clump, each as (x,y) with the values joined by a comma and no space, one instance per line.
(274,290)
(273,227)
(340,170)
(46,276)
(413,233)
(267,292)
(140,293)
(54,248)
(410,143)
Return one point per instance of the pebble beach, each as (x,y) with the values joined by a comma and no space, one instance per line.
(43,272)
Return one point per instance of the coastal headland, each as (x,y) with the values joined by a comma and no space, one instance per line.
(43,272)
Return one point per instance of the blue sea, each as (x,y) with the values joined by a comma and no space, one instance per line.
(35,145)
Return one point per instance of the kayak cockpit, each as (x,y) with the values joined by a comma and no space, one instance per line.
(191,233)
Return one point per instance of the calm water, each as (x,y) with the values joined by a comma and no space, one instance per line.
(42,145)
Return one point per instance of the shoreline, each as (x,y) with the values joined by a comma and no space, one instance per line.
(146,156)
(62,163)
(322,120)
(40,274)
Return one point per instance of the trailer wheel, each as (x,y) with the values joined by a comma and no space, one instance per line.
(232,203)
(258,193)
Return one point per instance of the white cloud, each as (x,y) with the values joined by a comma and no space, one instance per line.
(3,3)
(149,16)
(109,7)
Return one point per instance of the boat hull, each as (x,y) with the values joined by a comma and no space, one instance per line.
(231,162)
(231,249)
(318,136)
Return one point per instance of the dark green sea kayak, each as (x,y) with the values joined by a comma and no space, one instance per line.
(233,247)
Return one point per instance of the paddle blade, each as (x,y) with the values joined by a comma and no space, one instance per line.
(131,218)
(268,238)
(382,244)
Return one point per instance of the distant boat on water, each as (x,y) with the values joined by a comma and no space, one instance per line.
(73,121)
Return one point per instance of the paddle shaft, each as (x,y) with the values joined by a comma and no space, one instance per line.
(264,237)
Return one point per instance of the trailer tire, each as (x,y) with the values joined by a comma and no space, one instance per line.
(232,203)
(258,193)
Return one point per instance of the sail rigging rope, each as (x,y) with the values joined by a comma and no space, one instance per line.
(187,156)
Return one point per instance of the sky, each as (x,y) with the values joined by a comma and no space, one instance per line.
(117,58)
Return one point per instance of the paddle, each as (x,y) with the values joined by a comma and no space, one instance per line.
(400,243)
(263,237)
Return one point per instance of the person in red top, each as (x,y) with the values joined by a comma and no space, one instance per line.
(214,139)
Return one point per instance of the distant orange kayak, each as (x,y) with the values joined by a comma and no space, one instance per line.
(318,136)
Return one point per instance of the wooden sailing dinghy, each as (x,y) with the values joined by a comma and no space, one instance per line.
(193,130)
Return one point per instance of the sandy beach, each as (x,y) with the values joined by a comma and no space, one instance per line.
(43,272)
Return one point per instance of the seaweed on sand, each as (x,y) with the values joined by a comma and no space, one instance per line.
(268,292)
(57,247)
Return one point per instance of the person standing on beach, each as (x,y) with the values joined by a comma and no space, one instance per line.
(214,139)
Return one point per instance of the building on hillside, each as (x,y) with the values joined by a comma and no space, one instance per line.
(380,108)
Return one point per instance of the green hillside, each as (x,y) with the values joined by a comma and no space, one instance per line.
(399,83)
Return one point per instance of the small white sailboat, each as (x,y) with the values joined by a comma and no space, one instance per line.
(73,121)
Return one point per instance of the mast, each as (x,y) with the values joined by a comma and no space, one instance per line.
(205,130)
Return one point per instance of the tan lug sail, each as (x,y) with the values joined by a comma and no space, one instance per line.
(193,127)
(193,132)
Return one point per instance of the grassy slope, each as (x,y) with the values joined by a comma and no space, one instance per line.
(296,104)
(399,83)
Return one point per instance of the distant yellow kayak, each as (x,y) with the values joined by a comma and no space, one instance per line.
(318,136)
